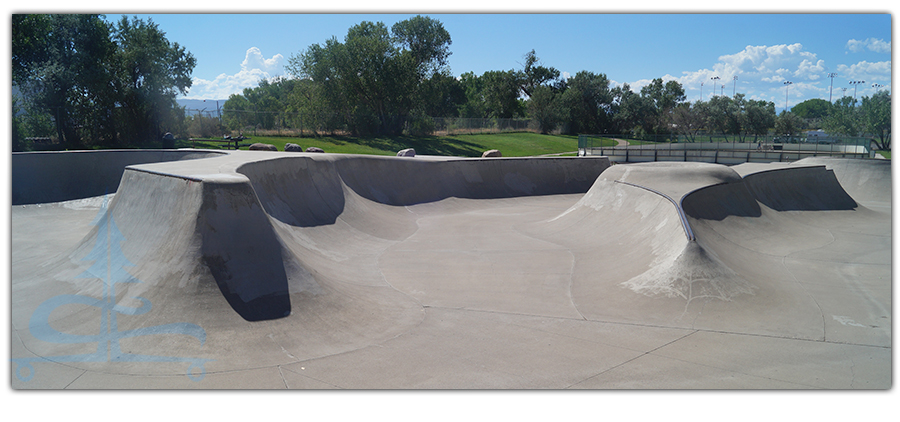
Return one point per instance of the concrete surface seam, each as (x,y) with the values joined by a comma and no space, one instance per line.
(684,222)
(312,378)
(632,359)
(281,374)
(571,283)
(83,371)
(159,173)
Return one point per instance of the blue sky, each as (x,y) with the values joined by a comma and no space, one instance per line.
(235,50)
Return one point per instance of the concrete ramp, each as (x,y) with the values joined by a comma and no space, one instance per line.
(256,269)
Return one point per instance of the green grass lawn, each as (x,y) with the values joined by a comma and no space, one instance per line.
(521,144)
(886,154)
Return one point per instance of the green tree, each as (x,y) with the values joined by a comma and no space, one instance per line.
(757,117)
(440,96)
(500,90)
(473,90)
(587,103)
(724,115)
(534,74)
(663,97)
(150,72)
(545,108)
(59,63)
(371,79)
(876,117)
(635,114)
(789,125)
(815,108)
(688,119)
(844,118)
(428,43)
(100,84)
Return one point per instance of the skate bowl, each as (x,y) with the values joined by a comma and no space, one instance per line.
(256,270)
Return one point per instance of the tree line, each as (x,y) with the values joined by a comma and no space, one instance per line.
(378,81)
(93,83)
(110,85)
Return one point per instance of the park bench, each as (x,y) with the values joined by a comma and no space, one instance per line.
(226,139)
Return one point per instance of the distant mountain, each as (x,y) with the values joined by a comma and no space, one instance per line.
(193,106)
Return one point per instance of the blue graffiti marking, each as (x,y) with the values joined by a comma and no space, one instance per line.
(109,266)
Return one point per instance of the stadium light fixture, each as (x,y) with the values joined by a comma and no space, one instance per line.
(787,85)
(831,88)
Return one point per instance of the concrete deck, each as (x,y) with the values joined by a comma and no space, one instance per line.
(257,270)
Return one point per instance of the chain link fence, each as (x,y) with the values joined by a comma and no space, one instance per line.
(722,148)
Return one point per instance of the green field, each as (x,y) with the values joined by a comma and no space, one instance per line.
(522,144)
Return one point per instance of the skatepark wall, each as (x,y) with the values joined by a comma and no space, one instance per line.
(42,177)
(303,191)
(867,181)
(214,216)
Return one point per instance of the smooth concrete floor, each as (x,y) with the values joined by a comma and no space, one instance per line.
(595,290)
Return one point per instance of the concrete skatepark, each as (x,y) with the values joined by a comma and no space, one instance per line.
(188,269)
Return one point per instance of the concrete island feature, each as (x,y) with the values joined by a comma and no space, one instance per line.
(192,269)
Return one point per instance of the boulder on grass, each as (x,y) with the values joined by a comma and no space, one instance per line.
(292,147)
(491,153)
(314,149)
(263,147)
(409,152)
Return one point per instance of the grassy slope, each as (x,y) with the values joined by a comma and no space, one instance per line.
(510,144)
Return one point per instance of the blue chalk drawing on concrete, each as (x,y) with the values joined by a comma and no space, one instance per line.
(109,266)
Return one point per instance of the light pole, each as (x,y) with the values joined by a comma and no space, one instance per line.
(787,85)
(855,83)
(877,86)
(701,91)
(831,88)
(715,78)
(734,88)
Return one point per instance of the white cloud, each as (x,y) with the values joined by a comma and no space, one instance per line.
(254,68)
(763,70)
(878,71)
(873,44)
(809,70)
(254,60)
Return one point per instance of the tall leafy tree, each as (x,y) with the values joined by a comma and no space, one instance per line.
(60,64)
(663,97)
(100,83)
(724,115)
(688,119)
(500,90)
(876,117)
(635,113)
(844,118)
(788,124)
(545,108)
(587,102)
(815,108)
(372,76)
(534,74)
(473,89)
(151,71)
(427,42)
(757,117)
